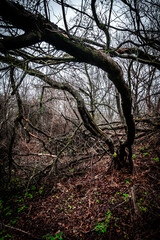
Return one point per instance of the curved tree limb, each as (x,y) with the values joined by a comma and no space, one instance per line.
(44,30)
(84,113)
(24,40)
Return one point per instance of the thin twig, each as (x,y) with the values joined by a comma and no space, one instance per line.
(17,229)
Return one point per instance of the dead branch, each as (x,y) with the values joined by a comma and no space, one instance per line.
(17,229)
(37,154)
(134,199)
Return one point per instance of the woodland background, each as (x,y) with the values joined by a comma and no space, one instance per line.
(80,117)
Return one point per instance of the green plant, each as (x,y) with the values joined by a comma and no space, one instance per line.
(156,159)
(4,235)
(8,211)
(28,195)
(14,183)
(145,154)
(22,208)
(112,200)
(16,180)
(56,236)
(141,207)
(117,193)
(115,155)
(41,190)
(103,226)
(133,156)
(33,187)
(69,206)
(141,149)
(13,221)
(125,196)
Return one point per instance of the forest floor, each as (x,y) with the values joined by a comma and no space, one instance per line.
(92,204)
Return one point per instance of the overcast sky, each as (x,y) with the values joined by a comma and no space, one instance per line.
(56,11)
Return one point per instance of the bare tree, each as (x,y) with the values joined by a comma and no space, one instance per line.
(30,40)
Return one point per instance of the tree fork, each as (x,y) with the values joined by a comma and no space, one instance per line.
(38,29)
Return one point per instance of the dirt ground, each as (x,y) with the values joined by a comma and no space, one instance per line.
(94,204)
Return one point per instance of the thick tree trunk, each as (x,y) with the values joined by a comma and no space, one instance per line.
(38,29)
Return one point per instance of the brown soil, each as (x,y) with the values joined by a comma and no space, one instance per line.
(125,206)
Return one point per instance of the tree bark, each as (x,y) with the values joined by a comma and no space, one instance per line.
(38,29)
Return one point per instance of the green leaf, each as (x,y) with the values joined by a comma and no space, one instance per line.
(145,154)
(13,221)
(143,209)
(41,190)
(115,155)
(29,195)
(125,196)
(21,208)
(8,213)
(57,236)
(33,187)
(2,238)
